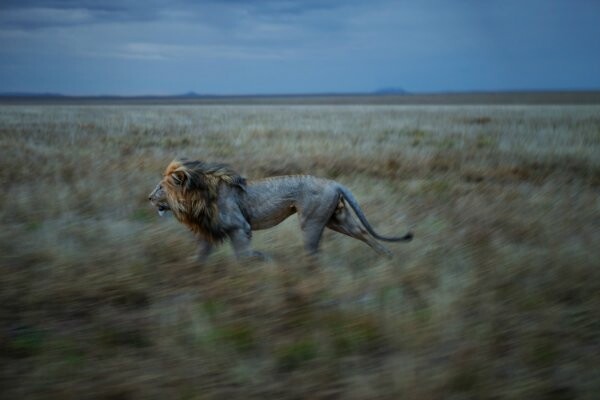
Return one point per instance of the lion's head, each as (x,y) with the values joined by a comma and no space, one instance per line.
(190,189)
(158,198)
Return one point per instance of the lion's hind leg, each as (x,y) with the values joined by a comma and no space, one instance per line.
(312,233)
(313,219)
(343,221)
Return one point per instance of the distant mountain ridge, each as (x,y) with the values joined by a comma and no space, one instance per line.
(195,95)
(385,96)
(92,96)
(30,94)
(392,90)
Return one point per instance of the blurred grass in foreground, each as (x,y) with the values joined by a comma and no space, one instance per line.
(497,296)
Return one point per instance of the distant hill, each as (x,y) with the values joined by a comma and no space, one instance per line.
(190,94)
(391,90)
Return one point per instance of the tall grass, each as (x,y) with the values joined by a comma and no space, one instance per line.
(497,296)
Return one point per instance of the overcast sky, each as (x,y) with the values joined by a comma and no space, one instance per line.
(292,46)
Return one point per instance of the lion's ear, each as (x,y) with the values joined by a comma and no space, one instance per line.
(179,177)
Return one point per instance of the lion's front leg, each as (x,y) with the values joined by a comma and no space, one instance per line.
(205,248)
(240,241)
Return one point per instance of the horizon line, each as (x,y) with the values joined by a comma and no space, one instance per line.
(379,92)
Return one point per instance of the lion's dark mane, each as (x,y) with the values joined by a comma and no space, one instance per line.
(192,189)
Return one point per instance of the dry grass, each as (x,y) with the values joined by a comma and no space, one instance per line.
(497,296)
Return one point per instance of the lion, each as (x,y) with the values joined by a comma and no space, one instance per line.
(216,203)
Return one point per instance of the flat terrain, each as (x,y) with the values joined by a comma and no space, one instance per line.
(496,297)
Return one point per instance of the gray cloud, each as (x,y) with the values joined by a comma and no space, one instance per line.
(32,14)
(265,27)
(243,46)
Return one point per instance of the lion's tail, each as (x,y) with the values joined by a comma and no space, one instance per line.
(363,219)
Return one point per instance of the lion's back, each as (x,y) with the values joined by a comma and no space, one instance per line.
(287,185)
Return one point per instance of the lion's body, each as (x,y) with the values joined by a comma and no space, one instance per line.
(269,201)
(216,203)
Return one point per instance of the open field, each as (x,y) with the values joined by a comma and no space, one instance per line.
(496,297)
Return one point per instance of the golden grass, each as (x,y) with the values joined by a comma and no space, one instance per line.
(496,297)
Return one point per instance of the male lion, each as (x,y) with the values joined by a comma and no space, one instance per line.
(216,203)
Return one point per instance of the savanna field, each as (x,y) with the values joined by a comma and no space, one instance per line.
(496,297)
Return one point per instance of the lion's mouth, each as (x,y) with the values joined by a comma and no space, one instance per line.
(162,210)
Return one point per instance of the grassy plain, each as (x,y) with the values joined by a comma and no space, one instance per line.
(496,297)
